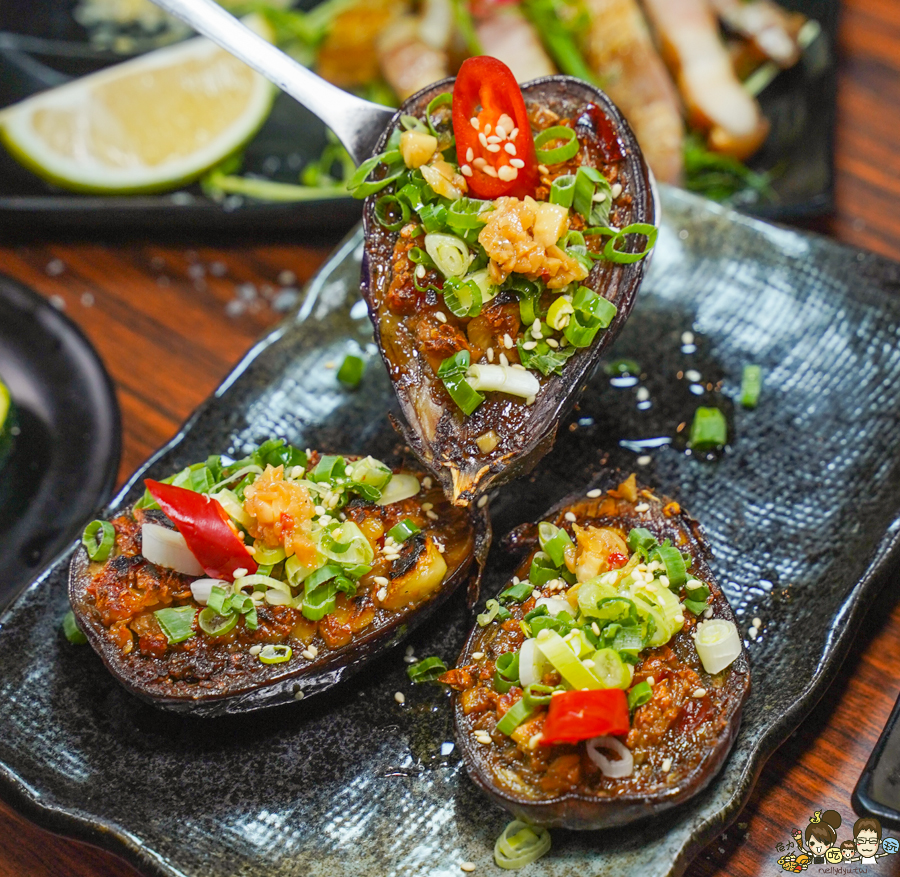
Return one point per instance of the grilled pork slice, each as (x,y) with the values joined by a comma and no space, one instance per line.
(715,99)
(621,52)
(507,35)
(408,63)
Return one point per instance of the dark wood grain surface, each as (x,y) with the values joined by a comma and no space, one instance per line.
(170,323)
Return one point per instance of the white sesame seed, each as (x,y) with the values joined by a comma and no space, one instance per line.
(314,651)
(552,342)
(439,547)
(239,573)
(420,271)
(507,341)
(699,692)
(503,360)
(382,594)
(570,517)
(507,123)
(519,366)
(493,147)
(480,162)
(470,154)
(255,650)
(536,325)
(687,337)
(409,649)
(664,580)
(516,162)
(643,394)
(427,505)
(643,460)
(753,633)
(298,695)
(307,654)
(320,510)
(494,139)
(477,656)
(467,866)
(616,190)
(297,472)
(427,482)
(489,353)
(529,345)
(483,738)
(432,516)
(666,765)
(475,123)
(757,622)
(542,168)
(491,172)
(642,507)
(516,580)
(466,171)
(410,659)
(392,555)
(599,197)
(440,315)
(708,613)
(510,148)
(536,593)
(382,582)
(500,131)
(482,502)
(482,139)
(593,494)
(679,619)
(595,628)
(400,697)
(487,128)
(651,681)
(693,375)
(514,133)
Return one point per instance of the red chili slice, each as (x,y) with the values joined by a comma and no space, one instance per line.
(582,715)
(486,91)
(206,528)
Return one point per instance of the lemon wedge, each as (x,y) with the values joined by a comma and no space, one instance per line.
(148,124)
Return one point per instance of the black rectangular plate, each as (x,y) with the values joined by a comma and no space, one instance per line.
(800,105)
(802,511)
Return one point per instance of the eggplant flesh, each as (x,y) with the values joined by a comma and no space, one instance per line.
(678,746)
(445,440)
(216,676)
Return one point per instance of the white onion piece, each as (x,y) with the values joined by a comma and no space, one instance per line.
(167,548)
(531,663)
(400,486)
(718,644)
(202,588)
(450,253)
(554,605)
(503,379)
(621,767)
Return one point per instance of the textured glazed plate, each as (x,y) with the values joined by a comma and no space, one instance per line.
(802,512)
(42,45)
(65,458)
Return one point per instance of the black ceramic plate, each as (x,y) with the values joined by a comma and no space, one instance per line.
(41,45)
(65,458)
(802,511)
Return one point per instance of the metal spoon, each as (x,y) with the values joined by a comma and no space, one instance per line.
(357,123)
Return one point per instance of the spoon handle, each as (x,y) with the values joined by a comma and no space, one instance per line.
(357,123)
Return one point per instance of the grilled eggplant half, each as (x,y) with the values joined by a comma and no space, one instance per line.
(490,313)
(606,683)
(272,578)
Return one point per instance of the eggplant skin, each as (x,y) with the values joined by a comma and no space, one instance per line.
(219,681)
(442,439)
(607,807)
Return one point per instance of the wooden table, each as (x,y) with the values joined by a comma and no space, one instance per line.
(198,311)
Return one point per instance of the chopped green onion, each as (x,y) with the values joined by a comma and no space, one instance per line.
(441,100)
(590,185)
(674,563)
(328,469)
(402,531)
(591,313)
(554,541)
(698,607)
(639,695)
(641,539)
(493,611)
(426,670)
(568,149)
(275,654)
(516,593)
(433,217)
(74,634)
(99,551)
(562,190)
(560,313)
(213,624)
(388,205)
(558,652)
(612,253)
(217,600)
(514,717)
(177,623)
(708,430)
(751,386)
(351,371)
(465,213)
(452,372)
(542,570)
(507,672)
(449,252)
(697,590)
(520,844)
(360,186)
(462,297)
